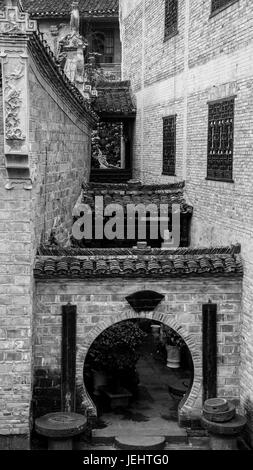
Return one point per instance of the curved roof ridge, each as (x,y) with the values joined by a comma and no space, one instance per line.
(48,251)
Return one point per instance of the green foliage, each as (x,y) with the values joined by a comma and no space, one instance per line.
(116,349)
(172,338)
(107,139)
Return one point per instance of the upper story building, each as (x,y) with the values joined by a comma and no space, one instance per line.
(99,25)
(45,143)
(179,56)
(190,65)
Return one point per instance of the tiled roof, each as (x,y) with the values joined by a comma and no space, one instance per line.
(62,8)
(114,98)
(136,263)
(137,194)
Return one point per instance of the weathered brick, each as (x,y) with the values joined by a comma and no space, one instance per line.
(55,130)
(92,314)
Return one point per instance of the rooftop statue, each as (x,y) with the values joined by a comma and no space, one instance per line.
(75,19)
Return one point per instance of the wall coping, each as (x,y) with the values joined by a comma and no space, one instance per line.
(46,62)
(155,264)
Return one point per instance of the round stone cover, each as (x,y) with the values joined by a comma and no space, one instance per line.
(216,404)
(140,442)
(220,416)
(232,428)
(60,425)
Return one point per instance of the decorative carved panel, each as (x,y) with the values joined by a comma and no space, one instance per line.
(15,26)
(15,102)
(13,21)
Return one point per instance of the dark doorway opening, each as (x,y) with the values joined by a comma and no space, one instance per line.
(152,381)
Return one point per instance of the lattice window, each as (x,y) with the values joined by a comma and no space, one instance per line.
(109,47)
(103,44)
(171,17)
(220,140)
(169,145)
(219,4)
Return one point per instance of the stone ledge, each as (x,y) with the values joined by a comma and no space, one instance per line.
(14,442)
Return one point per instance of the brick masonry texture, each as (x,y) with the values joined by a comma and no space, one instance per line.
(213,62)
(15,305)
(101,303)
(60,146)
(24,216)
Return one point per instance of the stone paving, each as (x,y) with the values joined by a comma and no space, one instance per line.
(154,412)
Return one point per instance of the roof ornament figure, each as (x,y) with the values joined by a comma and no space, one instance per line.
(75,19)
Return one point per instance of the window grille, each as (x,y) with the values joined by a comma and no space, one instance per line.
(220,140)
(219,4)
(171,17)
(169,145)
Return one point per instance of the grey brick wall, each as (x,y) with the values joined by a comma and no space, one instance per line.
(23,216)
(101,304)
(209,59)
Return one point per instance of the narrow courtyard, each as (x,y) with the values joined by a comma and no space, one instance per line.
(126,242)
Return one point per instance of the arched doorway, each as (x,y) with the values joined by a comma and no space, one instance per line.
(192,398)
(137,372)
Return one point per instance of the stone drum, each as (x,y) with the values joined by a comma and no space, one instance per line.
(60,428)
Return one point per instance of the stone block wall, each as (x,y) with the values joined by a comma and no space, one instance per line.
(102,303)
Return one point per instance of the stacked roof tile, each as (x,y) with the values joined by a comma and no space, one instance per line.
(152,263)
(138,194)
(115,99)
(62,8)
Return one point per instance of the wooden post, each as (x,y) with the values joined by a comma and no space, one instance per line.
(209,333)
(68,365)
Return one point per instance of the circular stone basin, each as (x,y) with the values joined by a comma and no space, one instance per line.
(60,425)
(231,428)
(216,405)
(140,443)
(220,416)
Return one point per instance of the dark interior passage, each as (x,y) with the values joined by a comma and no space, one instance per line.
(147,400)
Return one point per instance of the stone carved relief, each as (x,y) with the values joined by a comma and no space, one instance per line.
(13,102)
(15,26)
(13,21)
(223,91)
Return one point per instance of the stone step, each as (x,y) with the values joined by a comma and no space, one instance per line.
(175,435)
(140,443)
(168,447)
(185,447)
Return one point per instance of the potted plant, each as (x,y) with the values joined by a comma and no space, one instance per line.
(115,353)
(173,344)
